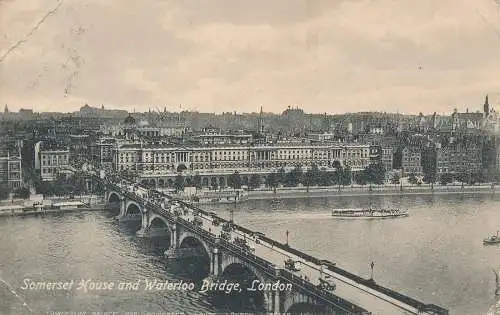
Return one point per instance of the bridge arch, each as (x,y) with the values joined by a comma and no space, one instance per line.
(113,197)
(156,221)
(188,240)
(132,207)
(197,266)
(249,278)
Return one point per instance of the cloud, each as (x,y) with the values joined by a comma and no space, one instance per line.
(221,55)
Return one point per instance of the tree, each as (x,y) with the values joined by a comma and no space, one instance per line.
(446,178)
(412,179)
(45,188)
(429,166)
(234,180)
(346,176)
(361,178)
(4,191)
(375,173)
(395,179)
(464,177)
(22,192)
(254,181)
(98,188)
(336,164)
(310,177)
(271,180)
(197,181)
(179,182)
(281,176)
(213,183)
(324,178)
(294,177)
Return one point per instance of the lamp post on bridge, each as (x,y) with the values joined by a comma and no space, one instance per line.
(287,232)
(371,266)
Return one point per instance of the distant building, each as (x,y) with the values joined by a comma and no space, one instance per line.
(498,156)
(387,157)
(102,152)
(320,137)
(52,158)
(458,158)
(411,161)
(11,170)
(223,138)
(79,147)
(131,129)
(26,114)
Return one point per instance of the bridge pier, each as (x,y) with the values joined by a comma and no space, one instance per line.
(274,301)
(214,263)
(174,240)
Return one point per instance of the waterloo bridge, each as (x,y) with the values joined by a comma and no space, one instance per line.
(194,232)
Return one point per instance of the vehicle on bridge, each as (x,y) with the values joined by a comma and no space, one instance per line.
(225,236)
(227,227)
(240,242)
(293,265)
(217,221)
(257,236)
(177,212)
(197,221)
(326,283)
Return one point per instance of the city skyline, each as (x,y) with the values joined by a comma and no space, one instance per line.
(321,56)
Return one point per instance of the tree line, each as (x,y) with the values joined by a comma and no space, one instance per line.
(341,176)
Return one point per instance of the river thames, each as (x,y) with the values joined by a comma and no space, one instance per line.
(435,255)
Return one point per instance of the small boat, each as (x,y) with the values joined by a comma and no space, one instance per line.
(69,205)
(369,213)
(494,239)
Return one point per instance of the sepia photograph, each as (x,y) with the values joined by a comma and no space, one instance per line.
(163,157)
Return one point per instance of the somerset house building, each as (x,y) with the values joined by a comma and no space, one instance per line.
(160,164)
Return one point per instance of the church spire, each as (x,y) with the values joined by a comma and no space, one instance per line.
(486,107)
(261,123)
(6,110)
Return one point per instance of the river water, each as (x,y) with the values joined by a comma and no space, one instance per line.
(435,255)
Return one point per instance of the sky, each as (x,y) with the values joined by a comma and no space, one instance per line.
(330,56)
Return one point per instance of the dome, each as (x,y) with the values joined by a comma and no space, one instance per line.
(129,120)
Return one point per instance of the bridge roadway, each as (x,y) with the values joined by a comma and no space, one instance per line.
(346,288)
(365,293)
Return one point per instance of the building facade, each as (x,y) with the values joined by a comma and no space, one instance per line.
(167,161)
(11,171)
(458,158)
(52,160)
(102,152)
(411,161)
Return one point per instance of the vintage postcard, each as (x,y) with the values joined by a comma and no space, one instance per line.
(249,157)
